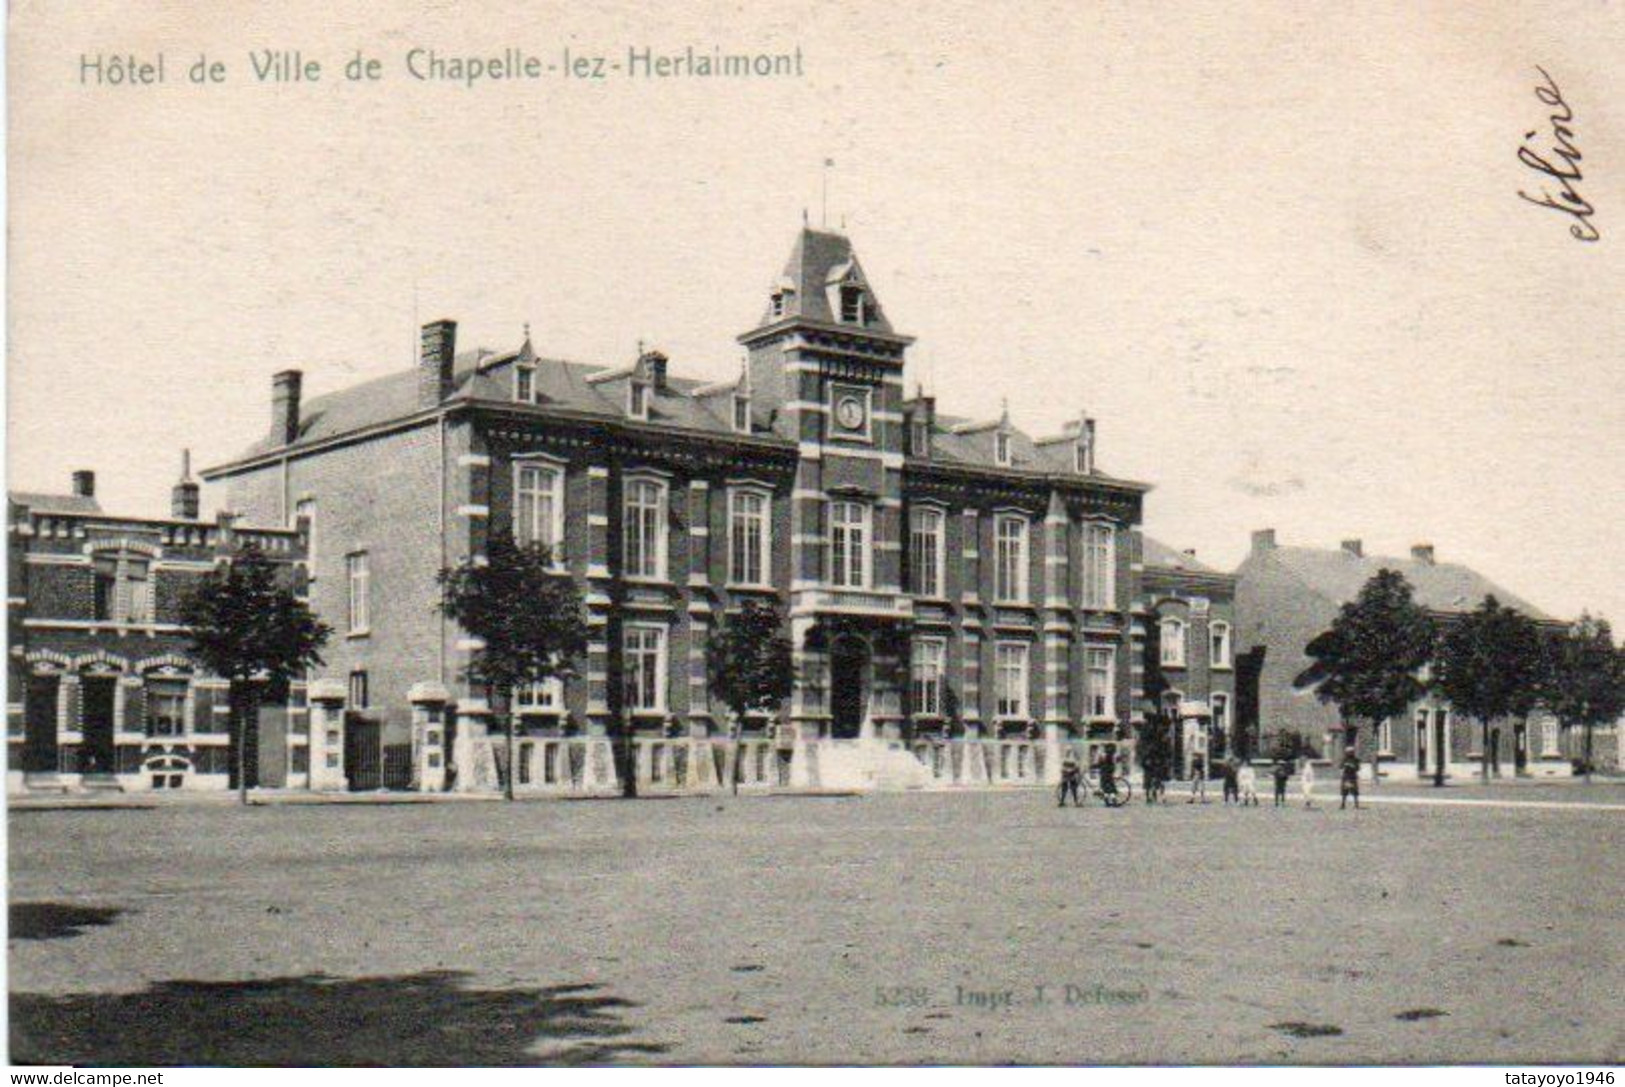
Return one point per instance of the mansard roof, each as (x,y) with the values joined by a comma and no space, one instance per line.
(41,502)
(1158,554)
(820,260)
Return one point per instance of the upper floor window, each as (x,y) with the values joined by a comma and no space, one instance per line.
(637,400)
(645,667)
(358,574)
(927,550)
(919,438)
(1173,643)
(538,507)
(926,676)
(1102,682)
(1099,566)
(305,509)
(749,531)
(1010,558)
(1001,449)
(123,587)
(524,384)
(1010,679)
(643,529)
(1221,714)
(1219,644)
(360,690)
(849,545)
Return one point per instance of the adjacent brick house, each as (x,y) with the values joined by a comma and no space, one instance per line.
(957,590)
(1285,596)
(103,694)
(1191,660)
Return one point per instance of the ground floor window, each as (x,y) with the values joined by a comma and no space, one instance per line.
(1102,686)
(166,707)
(926,689)
(546,697)
(1010,679)
(1385,737)
(1548,736)
(645,667)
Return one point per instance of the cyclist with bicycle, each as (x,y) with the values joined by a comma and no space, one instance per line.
(1108,774)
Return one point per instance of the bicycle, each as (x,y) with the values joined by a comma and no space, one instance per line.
(1121,792)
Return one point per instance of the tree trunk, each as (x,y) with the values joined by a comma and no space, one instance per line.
(629,763)
(238,698)
(1441,749)
(1484,751)
(513,753)
(1588,751)
(733,757)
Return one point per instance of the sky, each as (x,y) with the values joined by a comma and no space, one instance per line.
(1277,251)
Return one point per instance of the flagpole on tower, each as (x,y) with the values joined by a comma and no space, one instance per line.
(824,216)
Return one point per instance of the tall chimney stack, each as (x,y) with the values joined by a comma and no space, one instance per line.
(183,499)
(1423,553)
(285,388)
(84,483)
(1263,541)
(438,349)
(1354,548)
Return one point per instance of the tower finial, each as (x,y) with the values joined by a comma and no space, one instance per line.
(527,331)
(1004,410)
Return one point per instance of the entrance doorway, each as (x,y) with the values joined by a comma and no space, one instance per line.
(848,687)
(96,752)
(363,752)
(39,725)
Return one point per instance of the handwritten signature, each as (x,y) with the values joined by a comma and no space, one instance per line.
(1568,200)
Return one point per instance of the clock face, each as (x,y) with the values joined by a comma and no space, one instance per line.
(849,413)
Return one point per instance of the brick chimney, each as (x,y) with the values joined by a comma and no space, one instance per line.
(1354,548)
(435,360)
(1263,541)
(285,388)
(1423,553)
(654,363)
(84,483)
(183,499)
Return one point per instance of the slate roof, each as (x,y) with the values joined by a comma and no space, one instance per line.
(1158,554)
(1439,586)
(55,503)
(819,259)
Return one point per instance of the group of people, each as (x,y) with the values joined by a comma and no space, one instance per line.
(1239,780)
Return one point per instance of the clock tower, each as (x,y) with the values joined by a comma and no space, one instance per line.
(826,360)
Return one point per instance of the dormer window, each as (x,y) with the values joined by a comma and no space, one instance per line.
(778,305)
(851,305)
(524,384)
(1001,449)
(741,415)
(919,438)
(1081,458)
(637,400)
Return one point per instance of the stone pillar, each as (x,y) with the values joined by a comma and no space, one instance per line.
(429,702)
(327,770)
(471,758)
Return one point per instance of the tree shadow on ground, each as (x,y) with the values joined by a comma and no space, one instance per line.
(417,1019)
(54,920)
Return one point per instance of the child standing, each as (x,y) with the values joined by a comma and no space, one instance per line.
(1232,782)
(1281,772)
(1351,780)
(1307,783)
(1198,780)
(1249,784)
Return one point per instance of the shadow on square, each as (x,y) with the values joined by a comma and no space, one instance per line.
(54,920)
(429,1019)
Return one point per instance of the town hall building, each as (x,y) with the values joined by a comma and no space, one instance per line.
(963,598)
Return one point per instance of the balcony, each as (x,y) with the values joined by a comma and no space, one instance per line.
(829,600)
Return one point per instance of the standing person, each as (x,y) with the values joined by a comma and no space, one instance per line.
(1198,779)
(1249,784)
(1351,779)
(1306,783)
(1232,786)
(1071,775)
(1281,771)
(1108,775)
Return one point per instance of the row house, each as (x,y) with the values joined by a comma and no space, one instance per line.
(1191,664)
(103,692)
(1285,596)
(946,581)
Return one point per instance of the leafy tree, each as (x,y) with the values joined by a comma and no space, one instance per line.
(1368,661)
(1155,746)
(1489,666)
(527,614)
(1585,678)
(749,668)
(248,627)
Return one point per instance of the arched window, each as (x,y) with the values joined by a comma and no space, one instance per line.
(643,528)
(1010,558)
(849,545)
(1099,566)
(1173,643)
(538,506)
